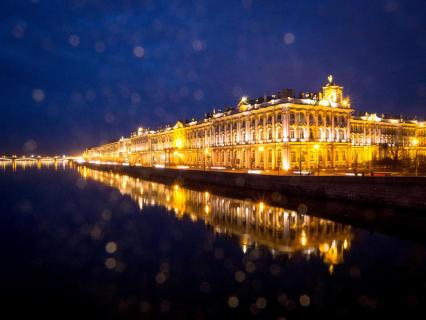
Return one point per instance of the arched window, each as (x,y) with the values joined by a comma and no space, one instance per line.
(292,133)
(302,119)
(344,155)
(328,155)
(253,136)
(278,134)
(301,133)
(342,134)
(260,134)
(292,118)
(337,155)
(269,134)
(311,134)
(311,119)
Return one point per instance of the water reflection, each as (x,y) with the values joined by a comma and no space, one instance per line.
(282,231)
(39,164)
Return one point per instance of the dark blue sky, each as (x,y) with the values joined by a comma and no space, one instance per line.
(79,73)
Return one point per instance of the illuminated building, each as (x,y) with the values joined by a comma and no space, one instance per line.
(282,231)
(275,132)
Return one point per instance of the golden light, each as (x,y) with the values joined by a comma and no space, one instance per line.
(415,142)
(303,239)
(330,78)
(179,143)
(243,99)
(316,146)
(261,148)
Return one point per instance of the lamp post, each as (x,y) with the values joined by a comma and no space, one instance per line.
(205,158)
(316,147)
(415,143)
(300,157)
(261,155)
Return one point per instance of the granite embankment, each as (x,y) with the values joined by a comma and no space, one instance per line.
(398,191)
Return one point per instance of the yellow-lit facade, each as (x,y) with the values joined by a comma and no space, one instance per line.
(279,132)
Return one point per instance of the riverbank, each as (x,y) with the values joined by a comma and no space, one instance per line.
(409,192)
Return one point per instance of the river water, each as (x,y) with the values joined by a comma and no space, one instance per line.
(84,243)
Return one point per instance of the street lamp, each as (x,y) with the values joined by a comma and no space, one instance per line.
(316,147)
(261,156)
(206,151)
(300,157)
(415,143)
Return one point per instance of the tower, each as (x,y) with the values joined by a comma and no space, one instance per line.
(332,92)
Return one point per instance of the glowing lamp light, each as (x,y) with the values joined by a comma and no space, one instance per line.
(179,143)
(415,142)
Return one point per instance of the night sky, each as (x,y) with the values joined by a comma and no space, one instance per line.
(78,73)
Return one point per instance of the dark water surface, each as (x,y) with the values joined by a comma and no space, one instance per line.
(82,243)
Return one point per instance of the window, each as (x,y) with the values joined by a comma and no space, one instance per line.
(278,133)
(311,119)
(269,134)
(302,118)
(328,155)
(342,134)
(292,118)
(301,133)
(292,133)
(279,118)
